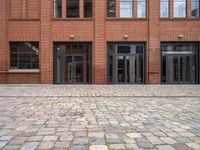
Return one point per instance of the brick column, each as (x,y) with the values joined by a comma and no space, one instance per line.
(99,48)
(64,9)
(46,51)
(171,8)
(81,6)
(3,40)
(188,9)
(154,43)
(117,8)
(134,8)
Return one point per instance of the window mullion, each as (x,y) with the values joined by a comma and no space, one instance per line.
(188,8)
(81,8)
(117,8)
(64,10)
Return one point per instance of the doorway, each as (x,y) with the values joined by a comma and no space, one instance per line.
(126,64)
(72,63)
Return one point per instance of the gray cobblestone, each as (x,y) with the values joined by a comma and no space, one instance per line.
(78,117)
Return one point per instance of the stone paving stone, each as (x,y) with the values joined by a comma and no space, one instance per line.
(117,146)
(155,140)
(181,147)
(131,146)
(30,146)
(46,145)
(11,147)
(182,140)
(50,138)
(193,145)
(134,135)
(168,140)
(78,147)
(96,141)
(165,147)
(64,145)
(3,143)
(98,147)
(145,145)
(18,140)
(80,116)
(35,138)
(96,134)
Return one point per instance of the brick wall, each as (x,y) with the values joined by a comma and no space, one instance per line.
(28,20)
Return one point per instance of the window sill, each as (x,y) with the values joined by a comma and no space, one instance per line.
(72,19)
(126,19)
(24,71)
(179,19)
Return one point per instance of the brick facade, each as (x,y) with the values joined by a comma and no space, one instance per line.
(27,20)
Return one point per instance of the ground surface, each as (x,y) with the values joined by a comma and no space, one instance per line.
(79,117)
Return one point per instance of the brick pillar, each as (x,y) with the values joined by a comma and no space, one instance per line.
(3,40)
(46,51)
(188,9)
(135,9)
(171,8)
(64,8)
(154,43)
(81,6)
(99,48)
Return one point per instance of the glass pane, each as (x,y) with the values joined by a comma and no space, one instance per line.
(121,69)
(57,6)
(124,49)
(164,8)
(126,8)
(78,69)
(179,8)
(111,8)
(195,11)
(24,55)
(141,8)
(73,8)
(87,8)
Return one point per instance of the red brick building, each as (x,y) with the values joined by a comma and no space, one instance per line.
(100,41)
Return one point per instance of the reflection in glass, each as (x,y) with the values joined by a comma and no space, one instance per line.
(126,8)
(141,8)
(111,8)
(164,8)
(195,11)
(179,8)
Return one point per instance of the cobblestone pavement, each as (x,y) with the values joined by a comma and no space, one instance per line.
(94,117)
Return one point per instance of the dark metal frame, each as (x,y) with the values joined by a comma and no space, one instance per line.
(127,43)
(55,59)
(197,50)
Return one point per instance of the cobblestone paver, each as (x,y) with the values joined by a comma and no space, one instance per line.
(94,117)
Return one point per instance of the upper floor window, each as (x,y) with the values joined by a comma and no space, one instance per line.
(72,8)
(126,8)
(195,11)
(57,8)
(24,55)
(141,8)
(111,8)
(88,8)
(180,8)
(164,8)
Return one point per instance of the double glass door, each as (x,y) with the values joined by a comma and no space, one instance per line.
(180,68)
(75,69)
(129,69)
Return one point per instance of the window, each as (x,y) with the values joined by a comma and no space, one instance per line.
(164,8)
(195,5)
(24,55)
(72,8)
(111,8)
(126,8)
(141,8)
(179,8)
(57,8)
(88,8)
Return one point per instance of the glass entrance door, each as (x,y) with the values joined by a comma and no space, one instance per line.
(129,69)
(180,69)
(75,69)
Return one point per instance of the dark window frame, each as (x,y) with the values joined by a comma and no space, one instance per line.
(20,51)
(70,7)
